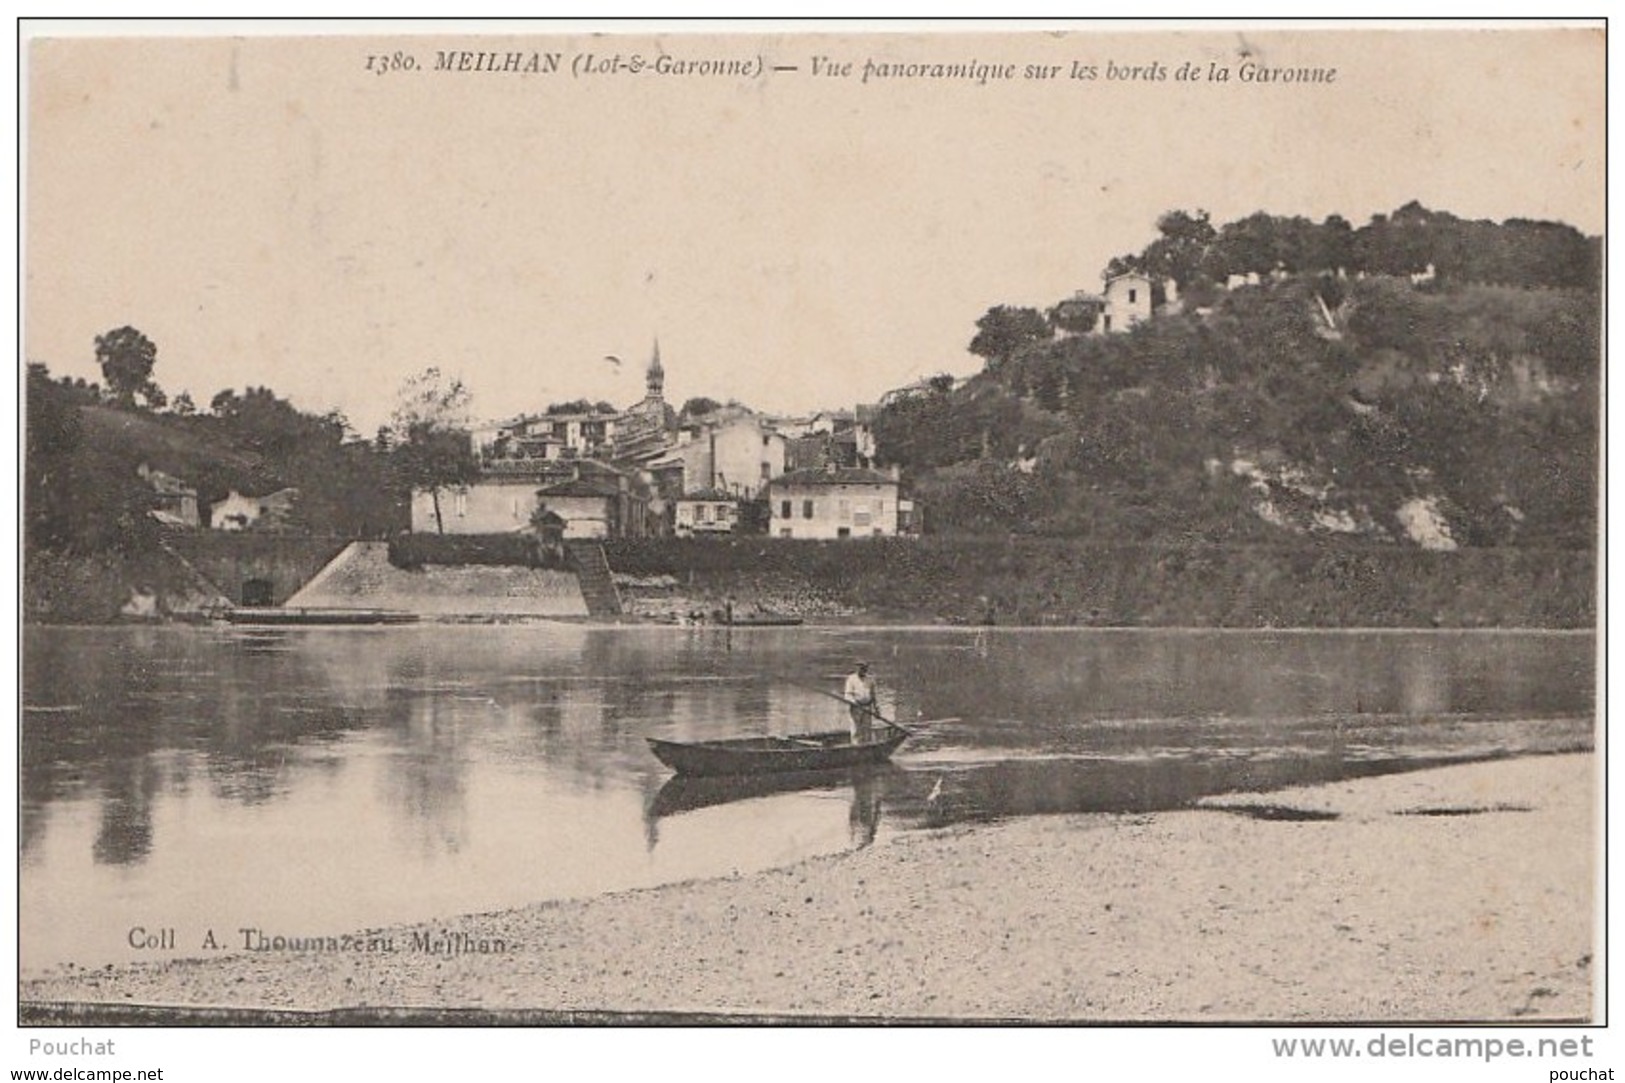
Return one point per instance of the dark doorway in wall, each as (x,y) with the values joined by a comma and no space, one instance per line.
(257,592)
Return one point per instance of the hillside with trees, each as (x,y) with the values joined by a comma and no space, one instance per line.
(88,532)
(1420,381)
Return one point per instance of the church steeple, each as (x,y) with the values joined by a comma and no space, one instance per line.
(656,380)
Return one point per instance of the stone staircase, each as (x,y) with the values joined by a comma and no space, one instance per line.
(597,584)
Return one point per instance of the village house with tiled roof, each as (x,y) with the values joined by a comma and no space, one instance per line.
(834,502)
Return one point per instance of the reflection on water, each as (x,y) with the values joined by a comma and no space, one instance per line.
(865,788)
(311,780)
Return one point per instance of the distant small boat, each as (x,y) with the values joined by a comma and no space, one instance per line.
(280,615)
(773,755)
(762,620)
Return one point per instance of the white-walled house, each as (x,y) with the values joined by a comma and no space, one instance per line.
(496,504)
(738,456)
(838,502)
(708,511)
(590,507)
(1128,302)
(593,499)
(239,512)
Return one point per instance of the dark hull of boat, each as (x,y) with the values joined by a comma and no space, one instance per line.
(774,755)
(764,622)
(274,615)
(690,793)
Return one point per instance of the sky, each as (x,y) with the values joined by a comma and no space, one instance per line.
(270,212)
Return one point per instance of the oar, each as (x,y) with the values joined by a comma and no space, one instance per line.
(871,708)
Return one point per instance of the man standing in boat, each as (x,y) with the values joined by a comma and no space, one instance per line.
(861,702)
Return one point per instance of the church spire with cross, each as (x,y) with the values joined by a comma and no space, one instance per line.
(656,380)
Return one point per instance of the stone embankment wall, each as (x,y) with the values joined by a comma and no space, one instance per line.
(363,578)
(1025,580)
(240,566)
(956,580)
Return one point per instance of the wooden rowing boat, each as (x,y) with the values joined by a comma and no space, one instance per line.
(775,755)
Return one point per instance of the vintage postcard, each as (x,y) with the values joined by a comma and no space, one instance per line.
(600,525)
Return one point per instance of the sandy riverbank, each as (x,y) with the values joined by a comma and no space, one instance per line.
(1463,893)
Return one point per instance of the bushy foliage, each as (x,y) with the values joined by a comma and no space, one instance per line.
(79,495)
(1485,398)
(1003,331)
(127,357)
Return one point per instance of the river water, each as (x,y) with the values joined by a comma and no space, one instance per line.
(182,782)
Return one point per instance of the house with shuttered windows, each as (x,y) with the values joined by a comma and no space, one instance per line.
(834,502)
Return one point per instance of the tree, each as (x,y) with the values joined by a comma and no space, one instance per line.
(433,450)
(1180,251)
(433,459)
(127,358)
(700,406)
(260,421)
(1004,330)
(434,397)
(1075,316)
(1333,249)
(1122,265)
(1251,245)
(79,496)
(52,439)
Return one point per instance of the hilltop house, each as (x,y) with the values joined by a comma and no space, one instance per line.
(834,502)
(1130,298)
(1128,301)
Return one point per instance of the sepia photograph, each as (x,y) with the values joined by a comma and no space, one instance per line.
(758,526)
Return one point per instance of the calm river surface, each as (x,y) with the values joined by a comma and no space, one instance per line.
(315,781)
